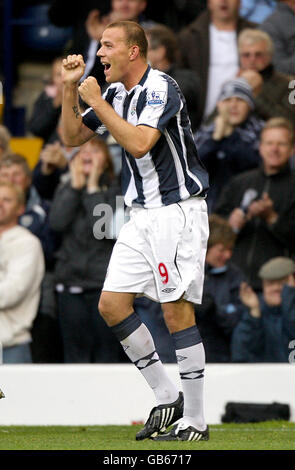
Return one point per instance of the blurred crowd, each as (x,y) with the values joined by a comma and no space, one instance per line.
(235,64)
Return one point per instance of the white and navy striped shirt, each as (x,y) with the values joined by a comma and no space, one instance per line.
(171,171)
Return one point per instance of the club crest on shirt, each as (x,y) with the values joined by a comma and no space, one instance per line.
(133,108)
(156,97)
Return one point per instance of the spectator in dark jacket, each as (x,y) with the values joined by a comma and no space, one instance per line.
(52,165)
(163,55)
(267,327)
(82,259)
(270,87)
(47,108)
(260,204)
(280,26)
(221,306)
(208,46)
(229,145)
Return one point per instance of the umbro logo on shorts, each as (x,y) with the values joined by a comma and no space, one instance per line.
(167,290)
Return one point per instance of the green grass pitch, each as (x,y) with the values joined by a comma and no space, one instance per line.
(272,435)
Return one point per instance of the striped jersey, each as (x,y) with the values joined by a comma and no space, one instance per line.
(171,171)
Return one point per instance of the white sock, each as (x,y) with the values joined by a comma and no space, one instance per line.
(139,346)
(191,362)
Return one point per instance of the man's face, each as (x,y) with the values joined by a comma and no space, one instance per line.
(218,255)
(90,153)
(114,54)
(10,209)
(15,174)
(272,291)
(275,149)
(223,10)
(254,56)
(128,9)
(236,108)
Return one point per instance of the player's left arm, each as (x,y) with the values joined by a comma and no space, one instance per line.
(137,140)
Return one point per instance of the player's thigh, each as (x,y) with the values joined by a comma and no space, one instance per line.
(114,307)
(178,315)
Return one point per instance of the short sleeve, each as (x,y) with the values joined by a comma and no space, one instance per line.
(91,120)
(163,102)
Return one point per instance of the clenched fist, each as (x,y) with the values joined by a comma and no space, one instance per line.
(73,68)
(90,91)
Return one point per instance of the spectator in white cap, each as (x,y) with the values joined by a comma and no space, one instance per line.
(267,326)
(228,145)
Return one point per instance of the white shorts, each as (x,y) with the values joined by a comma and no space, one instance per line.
(160,253)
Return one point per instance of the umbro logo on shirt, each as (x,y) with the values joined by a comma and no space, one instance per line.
(167,290)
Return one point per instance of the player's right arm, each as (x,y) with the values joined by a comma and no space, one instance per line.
(75,133)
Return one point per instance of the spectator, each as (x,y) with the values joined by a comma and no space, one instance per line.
(260,203)
(76,15)
(47,108)
(46,344)
(268,323)
(256,10)
(280,26)
(21,273)
(90,26)
(221,307)
(4,141)
(208,46)
(52,165)
(163,55)
(270,88)
(14,168)
(54,160)
(82,259)
(229,145)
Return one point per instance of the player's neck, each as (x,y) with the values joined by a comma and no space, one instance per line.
(135,75)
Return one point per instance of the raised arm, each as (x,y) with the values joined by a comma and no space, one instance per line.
(75,133)
(137,140)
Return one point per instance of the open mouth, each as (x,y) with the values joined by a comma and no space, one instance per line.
(106,66)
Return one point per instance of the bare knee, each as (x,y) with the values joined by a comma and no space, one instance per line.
(115,307)
(178,315)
